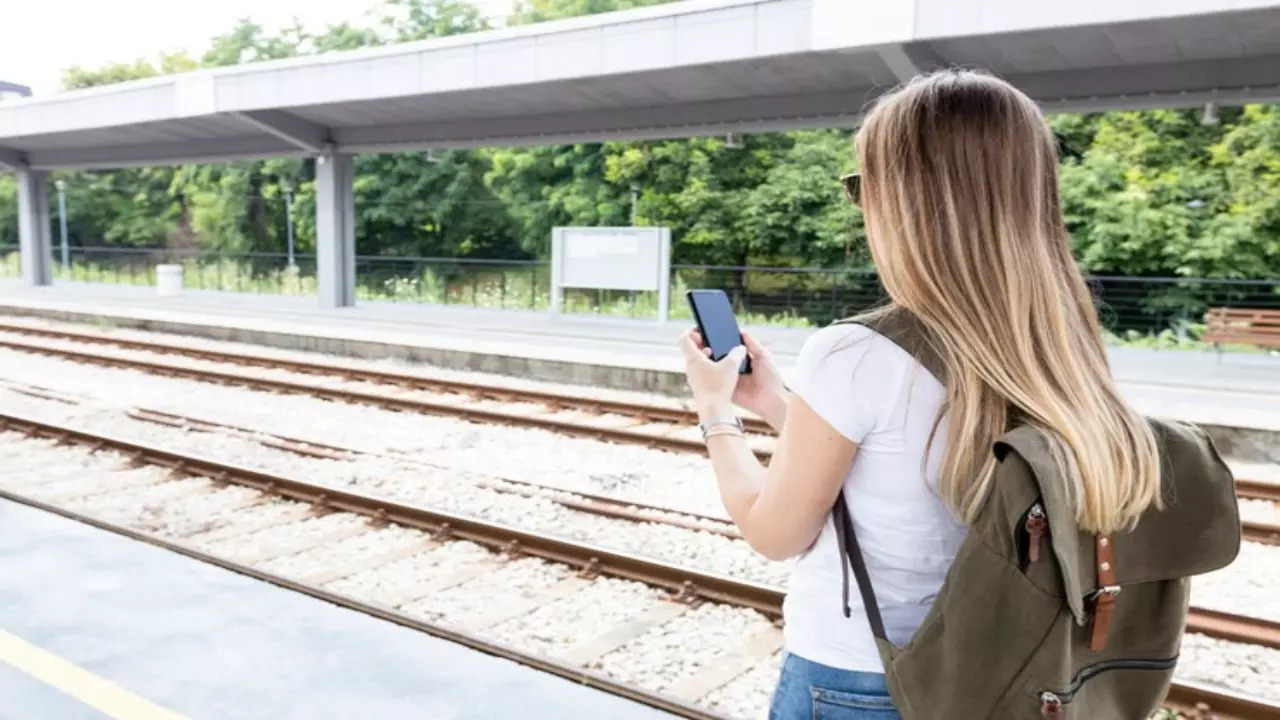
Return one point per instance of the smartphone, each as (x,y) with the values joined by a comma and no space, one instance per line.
(719,328)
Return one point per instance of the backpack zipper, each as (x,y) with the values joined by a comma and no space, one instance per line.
(1052,702)
(1035,525)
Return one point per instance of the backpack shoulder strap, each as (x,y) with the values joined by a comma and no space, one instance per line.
(907,332)
(851,554)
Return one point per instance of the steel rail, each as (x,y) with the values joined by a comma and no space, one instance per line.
(595,504)
(764,598)
(1252,489)
(650,412)
(583,676)
(482,415)
(1258,490)
(1191,697)
(688,584)
(1255,531)
(1198,700)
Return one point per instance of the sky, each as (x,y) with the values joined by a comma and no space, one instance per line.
(43,37)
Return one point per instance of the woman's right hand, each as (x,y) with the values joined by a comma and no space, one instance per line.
(762,391)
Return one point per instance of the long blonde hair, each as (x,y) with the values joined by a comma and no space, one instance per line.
(960,195)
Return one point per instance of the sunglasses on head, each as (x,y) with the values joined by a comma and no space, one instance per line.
(852,187)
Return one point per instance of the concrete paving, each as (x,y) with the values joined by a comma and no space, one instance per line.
(204,642)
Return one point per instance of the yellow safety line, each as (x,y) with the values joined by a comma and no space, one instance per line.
(96,692)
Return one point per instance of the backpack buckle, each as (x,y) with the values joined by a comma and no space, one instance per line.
(1108,590)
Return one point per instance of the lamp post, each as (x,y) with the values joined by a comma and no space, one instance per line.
(62,221)
(288,219)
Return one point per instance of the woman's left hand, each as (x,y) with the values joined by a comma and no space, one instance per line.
(712,382)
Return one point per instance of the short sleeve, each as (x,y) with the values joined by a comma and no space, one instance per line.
(846,376)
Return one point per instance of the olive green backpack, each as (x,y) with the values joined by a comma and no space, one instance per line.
(1037,619)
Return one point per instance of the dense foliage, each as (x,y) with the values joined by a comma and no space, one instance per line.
(1153,193)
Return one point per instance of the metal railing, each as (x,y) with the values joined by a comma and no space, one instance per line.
(779,295)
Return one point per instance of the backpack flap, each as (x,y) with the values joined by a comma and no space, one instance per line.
(1198,530)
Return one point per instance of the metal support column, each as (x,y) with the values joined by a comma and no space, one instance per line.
(335,230)
(33,227)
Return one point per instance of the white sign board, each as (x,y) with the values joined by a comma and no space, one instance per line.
(611,258)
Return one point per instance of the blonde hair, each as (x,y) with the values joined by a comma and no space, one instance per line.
(960,195)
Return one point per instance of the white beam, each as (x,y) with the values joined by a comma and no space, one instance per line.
(292,129)
(907,61)
(11,159)
(213,150)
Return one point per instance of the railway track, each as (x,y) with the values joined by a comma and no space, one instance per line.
(648,425)
(576,567)
(651,426)
(1214,623)
(683,588)
(602,505)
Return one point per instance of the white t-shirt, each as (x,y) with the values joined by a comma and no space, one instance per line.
(874,393)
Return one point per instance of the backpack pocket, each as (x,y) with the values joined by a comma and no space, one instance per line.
(1056,701)
(1032,536)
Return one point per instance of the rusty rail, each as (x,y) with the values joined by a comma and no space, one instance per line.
(649,412)
(587,677)
(1258,490)
(390,402)
(1198,700)
(684,583)
(1222,625)
(1258,532)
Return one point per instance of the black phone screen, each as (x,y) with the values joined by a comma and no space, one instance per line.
(717,324)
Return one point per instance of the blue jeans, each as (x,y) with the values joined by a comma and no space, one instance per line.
(810,691)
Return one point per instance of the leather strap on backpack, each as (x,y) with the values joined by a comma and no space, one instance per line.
(851,555)
(1105,603)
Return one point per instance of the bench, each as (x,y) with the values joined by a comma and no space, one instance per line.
(1247,326)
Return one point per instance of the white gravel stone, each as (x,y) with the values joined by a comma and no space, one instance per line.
(558,626)
(384,365)
(247,547)
(387,583)
(689,548)
(1249,586)
(747,697)
(680,480)
(24,458)
(98,483)
(181,516)
(264,512)
(682,647)
(1249,669)
(139,501)
(360,548)
(1261,472)
(1263,511)
(435,487)
(514,582)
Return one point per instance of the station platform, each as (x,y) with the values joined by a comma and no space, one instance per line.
(97,625)
(1236,390)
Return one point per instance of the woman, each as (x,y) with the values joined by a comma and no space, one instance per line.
(959,189)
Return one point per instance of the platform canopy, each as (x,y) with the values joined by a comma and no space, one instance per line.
(685,68)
